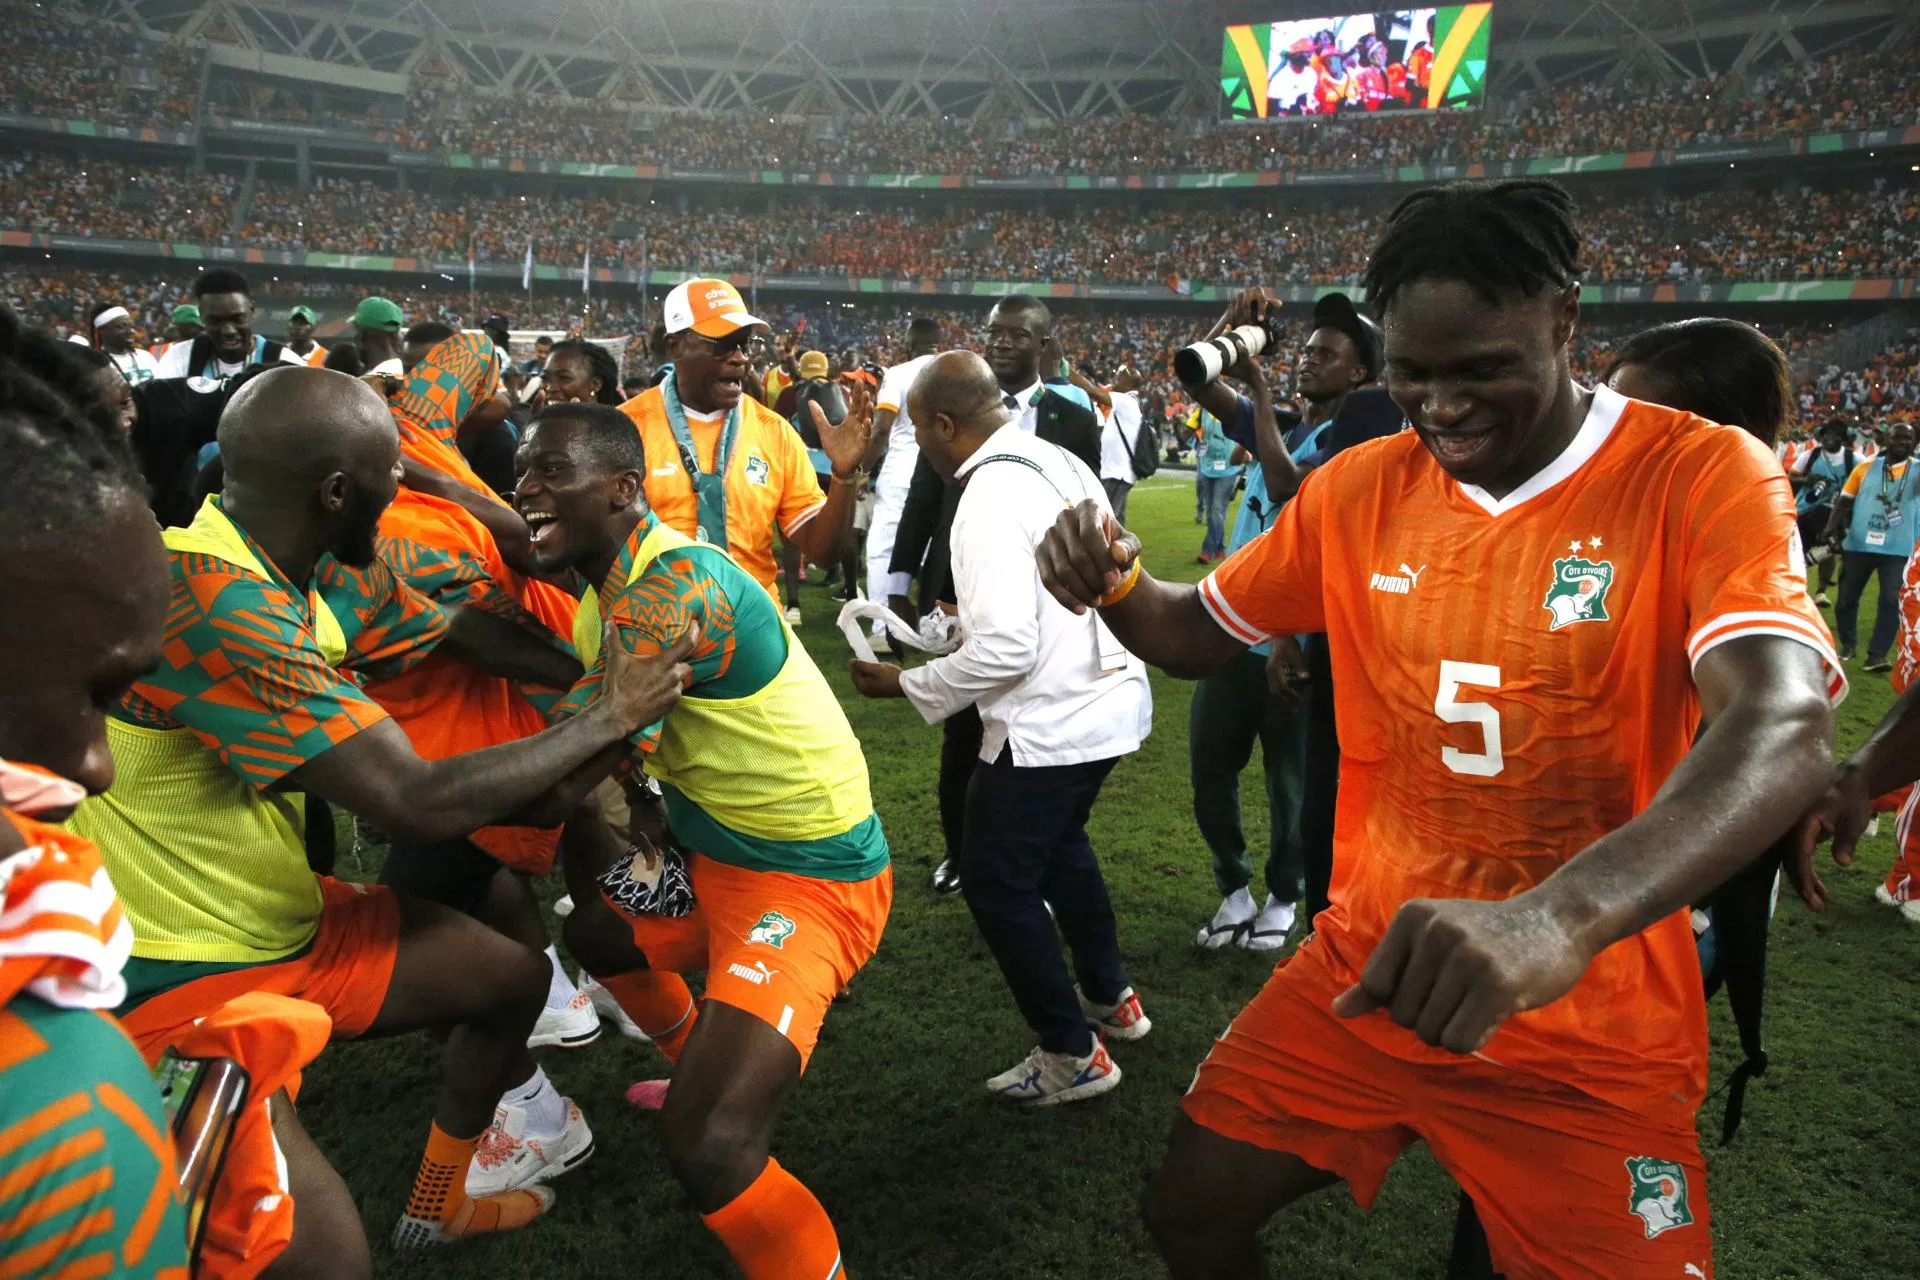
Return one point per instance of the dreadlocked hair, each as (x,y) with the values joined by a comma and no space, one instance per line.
(62,454)
(1500,238)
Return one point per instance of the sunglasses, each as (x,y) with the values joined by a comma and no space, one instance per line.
(754,344)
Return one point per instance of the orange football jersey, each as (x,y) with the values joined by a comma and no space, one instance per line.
(1513,680)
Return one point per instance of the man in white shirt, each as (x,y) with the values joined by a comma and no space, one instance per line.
(228,343)
(113,334)
(893,437)
(1119,430)
(1060,702)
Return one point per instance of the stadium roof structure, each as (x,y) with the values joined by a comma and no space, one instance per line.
(929,58)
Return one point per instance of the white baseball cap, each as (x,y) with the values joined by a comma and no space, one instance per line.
(709,307)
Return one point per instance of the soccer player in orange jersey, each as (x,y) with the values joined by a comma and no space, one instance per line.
(1532,599)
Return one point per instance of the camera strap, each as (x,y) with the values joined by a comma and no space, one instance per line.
(1108,651)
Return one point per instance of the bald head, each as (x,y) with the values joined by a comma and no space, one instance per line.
(314,451)
(297,423)
(955,405)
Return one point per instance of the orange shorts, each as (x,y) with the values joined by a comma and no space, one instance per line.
(346,972)
(1566,1185)
(777,946)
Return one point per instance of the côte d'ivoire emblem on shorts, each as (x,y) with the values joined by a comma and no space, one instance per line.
(1658,1196)
(1578,592)
(774,929)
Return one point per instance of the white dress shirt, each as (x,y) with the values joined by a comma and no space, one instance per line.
(1057,688)
(1027,415)
(1119,429)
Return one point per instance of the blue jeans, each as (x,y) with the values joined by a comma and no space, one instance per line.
(1233,709)
(1215,495)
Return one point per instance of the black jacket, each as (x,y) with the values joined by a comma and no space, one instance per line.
(920,547)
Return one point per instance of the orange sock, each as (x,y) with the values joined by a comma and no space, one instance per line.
(659,1004)
(440,1193)
(776,1230)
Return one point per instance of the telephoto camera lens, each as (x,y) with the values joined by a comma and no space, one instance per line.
(1204,361)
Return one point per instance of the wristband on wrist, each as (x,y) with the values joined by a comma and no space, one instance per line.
(1125,588)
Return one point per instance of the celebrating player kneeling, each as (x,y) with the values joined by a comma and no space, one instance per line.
(1506,970)
(791,882)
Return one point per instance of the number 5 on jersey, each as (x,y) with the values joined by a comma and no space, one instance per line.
(1448,705)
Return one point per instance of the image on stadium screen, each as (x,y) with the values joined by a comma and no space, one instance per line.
(1395,60)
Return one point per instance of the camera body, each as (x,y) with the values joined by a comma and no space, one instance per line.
(1202,362)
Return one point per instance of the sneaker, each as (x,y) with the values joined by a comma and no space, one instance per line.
(1270,928)
(882,643)
(563,906)
(1877,665)
(421,1233)
(507,1160)
(1909,909)
(574,1025)
(1125,1020)
(1821,602)
(793,615)
(1234,918)
(609,1008)
(1048,1079)
(1846,654)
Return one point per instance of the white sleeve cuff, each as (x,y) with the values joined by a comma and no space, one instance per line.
(1790,626)
(1223,613)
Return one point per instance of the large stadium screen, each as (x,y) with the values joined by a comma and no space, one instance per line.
(1396,60)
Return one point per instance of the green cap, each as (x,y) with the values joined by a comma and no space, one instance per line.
(304,313)
(186,313)
(378,313)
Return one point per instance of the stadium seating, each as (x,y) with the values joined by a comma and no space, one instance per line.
(58,71)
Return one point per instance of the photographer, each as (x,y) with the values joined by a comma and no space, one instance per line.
(1280,693)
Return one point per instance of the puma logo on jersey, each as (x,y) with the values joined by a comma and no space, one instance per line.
(1401,585)
(759,975)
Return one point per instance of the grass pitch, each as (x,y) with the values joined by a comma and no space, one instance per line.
(928,1178)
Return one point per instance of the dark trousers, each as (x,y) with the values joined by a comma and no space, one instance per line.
(1856,567)
(1027,848)
(1320,785)
(1231,711)
(1117,491)
(959,753)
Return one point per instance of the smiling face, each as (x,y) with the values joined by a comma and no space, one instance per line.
(116,395)
(229,321)
(1015,336)
(116,335)
(571,502)
(569,378)
(1480,381)
(105,597)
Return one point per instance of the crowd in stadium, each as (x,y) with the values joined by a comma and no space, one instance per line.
(1095,337)
(1715,235)
(59,71)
